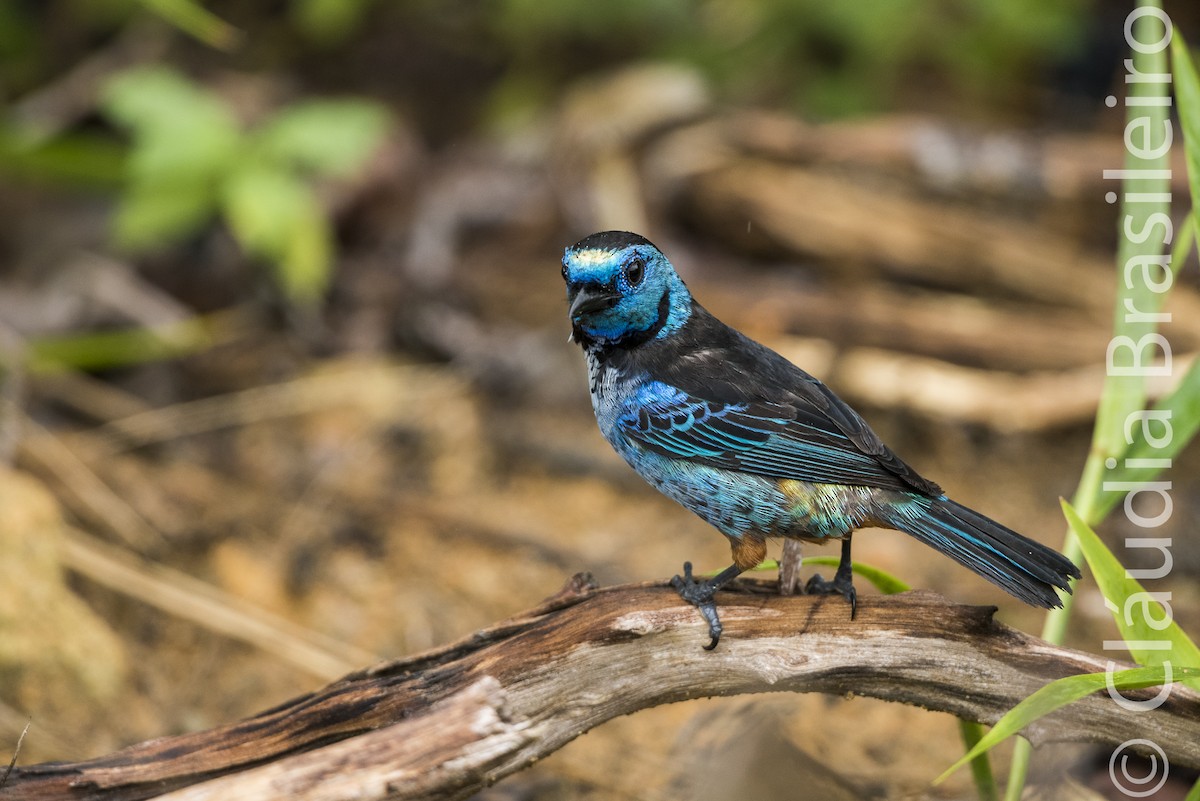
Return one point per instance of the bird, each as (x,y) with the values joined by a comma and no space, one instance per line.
(753,444)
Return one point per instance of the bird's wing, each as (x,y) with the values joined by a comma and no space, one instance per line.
(795,439)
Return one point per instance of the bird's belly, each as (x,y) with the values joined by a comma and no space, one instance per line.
(740,503)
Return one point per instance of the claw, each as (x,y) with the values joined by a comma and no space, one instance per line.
(700,595)
(819,586)
(843,580)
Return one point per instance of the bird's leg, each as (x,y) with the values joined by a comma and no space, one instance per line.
(700,594)
(843,580)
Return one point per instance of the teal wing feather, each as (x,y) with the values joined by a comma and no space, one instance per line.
(772,440)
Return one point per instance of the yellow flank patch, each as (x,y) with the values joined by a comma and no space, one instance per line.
(819,499)
(796,491)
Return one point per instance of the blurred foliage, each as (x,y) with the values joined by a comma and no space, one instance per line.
(507,61)
(104,350)
(191,160)
(826,59)
(328,22)
(195,20)
(72,160)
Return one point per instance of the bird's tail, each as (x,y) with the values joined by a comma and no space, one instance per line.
(1025,569)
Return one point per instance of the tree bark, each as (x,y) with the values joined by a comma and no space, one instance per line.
(448,722)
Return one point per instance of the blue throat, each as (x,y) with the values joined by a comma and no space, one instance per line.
(632,337)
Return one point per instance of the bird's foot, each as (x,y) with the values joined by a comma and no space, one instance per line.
(700,594)
(841,585)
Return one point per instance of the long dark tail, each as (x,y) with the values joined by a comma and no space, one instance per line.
(1026,569)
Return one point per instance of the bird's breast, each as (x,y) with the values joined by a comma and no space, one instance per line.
(605,385)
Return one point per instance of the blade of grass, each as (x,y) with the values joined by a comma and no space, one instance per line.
(1122,394)
(197,22)
(111,349)
(1182,407)
(1187,93)
(1123,595)
(1061,692)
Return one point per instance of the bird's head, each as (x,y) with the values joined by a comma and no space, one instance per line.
(622,290)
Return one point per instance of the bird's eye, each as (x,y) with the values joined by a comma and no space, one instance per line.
(634,271)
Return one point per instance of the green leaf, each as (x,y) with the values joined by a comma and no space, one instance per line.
(179,128)
(154,214)
(203,149)
(103,350)
(328,137)
(157,97)
(275,216)
(1187,96)
(185,140)
(1194,793)
(1061,692)
(1140,616)
(305,269)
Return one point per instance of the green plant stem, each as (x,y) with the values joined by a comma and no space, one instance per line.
(1121,394)
(1084,500)
(1018,770)
(981,767)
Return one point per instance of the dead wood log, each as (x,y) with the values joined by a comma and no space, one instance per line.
(951,327)
(875,230)
(448,722)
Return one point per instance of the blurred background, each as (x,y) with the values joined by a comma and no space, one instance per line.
(285,380)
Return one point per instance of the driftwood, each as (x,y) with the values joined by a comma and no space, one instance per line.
(453,720)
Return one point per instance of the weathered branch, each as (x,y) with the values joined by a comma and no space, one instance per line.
(448,722)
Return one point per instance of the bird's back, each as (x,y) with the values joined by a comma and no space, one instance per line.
(714,363)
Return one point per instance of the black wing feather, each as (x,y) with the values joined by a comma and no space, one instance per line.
(742,406)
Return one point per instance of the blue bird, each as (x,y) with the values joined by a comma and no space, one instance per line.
(753,444)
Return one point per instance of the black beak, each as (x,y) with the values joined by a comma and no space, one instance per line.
(592,298)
